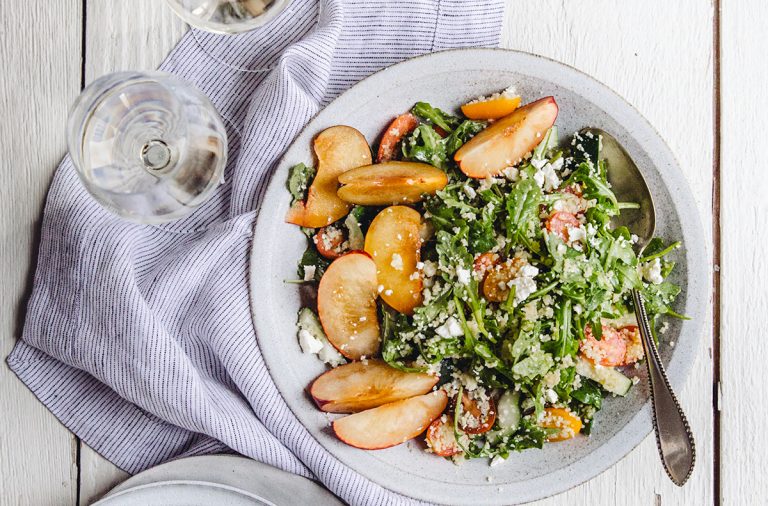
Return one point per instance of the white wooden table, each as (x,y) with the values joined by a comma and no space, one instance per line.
(697,72)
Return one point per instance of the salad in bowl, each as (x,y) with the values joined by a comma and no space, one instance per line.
(469,284)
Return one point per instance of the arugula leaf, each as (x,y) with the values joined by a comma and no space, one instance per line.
(299,180)
(394,350)
(549,142)
(522,206)
(437,117)
(465,131)
(594,187)
(589,393)
(535,365)
(658,298)
(425,145)
(656,249)
(312,257)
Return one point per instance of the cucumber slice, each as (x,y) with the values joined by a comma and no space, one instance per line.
(610,379)
(309,322)
(508,411)
(355,237)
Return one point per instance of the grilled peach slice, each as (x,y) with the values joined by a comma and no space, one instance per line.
(358,386)
(394,242)
(338,149)
(346,304)
(391,183)
(508,140)
(391,424)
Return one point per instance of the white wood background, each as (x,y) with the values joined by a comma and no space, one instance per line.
(663,56)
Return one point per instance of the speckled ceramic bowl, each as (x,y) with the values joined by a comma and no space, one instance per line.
(446,80)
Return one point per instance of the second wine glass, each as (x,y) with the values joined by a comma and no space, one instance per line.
(147,145)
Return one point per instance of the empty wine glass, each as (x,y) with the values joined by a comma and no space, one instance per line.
(147,145)
(227,16)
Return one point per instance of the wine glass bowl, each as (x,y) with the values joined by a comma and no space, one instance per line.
(147,145)
(227,16)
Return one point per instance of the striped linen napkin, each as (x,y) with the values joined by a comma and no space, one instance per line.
(139,338)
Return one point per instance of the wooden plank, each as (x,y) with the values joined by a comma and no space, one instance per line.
(135,35)
(744,272)
(40,50)
(663,66)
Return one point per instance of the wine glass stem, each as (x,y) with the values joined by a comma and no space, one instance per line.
(155,155)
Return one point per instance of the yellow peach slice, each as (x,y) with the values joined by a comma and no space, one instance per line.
(493,108)
(390,183)
(394,242)
(338,149)
(508,140)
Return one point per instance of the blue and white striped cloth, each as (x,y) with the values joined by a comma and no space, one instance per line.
(139,338)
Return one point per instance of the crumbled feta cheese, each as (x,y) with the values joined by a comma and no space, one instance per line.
(451,328)
(309,272)
(664,327)
(380,288)
(309,343)
(510,92)
(487,182)
(397,262)
(498,459)
(463,275)
(652,271)
(524,286)
(388,292)
(523,283)
(549,179)
(551,379)
(576,234)
(469,191)
(550,395)
(430,268)
(530,312)
(511,173)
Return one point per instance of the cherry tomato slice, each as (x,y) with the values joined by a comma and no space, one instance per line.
(328,242)
(560,221)
(441,438)
(477,421)
(609,351)
(399,128)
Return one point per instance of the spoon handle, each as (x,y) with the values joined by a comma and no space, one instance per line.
(673,435)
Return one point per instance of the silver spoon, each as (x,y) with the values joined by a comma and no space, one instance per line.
(673,435)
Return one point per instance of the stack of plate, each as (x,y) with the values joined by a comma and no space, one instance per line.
(217,479)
